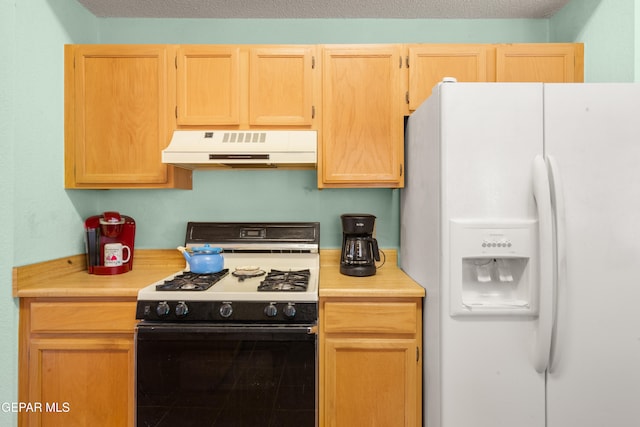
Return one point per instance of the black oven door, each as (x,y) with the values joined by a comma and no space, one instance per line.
(226,375)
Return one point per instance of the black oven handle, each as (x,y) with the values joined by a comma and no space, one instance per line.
(198,331)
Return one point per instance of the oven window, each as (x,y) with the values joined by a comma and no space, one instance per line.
(217,377)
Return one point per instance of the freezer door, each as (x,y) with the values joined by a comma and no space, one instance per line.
(592,133)
(490,134)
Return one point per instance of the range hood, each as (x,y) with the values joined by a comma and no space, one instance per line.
(194,149)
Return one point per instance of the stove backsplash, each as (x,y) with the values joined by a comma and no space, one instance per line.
(242,195)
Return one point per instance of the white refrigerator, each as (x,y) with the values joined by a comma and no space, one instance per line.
(521,219)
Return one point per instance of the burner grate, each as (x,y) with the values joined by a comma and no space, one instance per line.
(285,281)
(189,281)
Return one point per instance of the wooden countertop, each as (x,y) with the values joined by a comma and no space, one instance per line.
(68,277)
(388,282)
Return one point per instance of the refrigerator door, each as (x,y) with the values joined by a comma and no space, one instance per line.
(470,148)
(592,136)
(420,236)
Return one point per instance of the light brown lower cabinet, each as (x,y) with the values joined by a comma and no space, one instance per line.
(76,362)
(370,362)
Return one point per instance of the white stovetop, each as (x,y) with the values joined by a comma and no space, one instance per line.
(230,288)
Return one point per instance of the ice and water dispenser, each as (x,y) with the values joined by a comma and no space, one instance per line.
(493,268)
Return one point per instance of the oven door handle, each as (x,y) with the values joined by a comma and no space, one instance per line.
(187,332)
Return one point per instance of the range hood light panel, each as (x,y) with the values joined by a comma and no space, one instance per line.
(195,149)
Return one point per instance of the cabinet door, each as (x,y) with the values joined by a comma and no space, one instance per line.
(370,382)
(540,62)
(82,381)
(281,85)
(208,88)
(120,116)
(362,142)
(430,63)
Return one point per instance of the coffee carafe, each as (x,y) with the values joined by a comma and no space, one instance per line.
(359,247)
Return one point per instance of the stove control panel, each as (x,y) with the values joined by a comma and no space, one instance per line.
(228,311)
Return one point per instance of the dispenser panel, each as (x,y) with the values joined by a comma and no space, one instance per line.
(492,268)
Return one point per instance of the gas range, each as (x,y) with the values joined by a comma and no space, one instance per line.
(270,275)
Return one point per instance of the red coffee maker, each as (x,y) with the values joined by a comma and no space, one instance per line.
(118,233)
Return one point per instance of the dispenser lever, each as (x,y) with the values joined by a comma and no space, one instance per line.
(504,272)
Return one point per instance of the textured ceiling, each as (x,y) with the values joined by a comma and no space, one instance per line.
(295,9)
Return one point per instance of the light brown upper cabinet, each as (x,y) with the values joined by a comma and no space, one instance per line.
(208,85)
(122,102)
(362,120)
(281,86)
(540,62)
(430,63)
(521,62)
(116,117)
(242,86)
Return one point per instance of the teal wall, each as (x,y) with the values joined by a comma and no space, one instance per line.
(43,221)
(320,31)
(607,29)
(8,306)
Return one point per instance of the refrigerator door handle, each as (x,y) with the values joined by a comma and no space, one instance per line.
(557,199)
(544,326)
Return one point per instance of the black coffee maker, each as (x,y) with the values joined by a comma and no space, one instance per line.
(359,247)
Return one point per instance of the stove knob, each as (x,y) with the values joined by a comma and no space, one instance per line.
(226,310)
(163,309)
(290,311)
(271,310)
(182,309)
